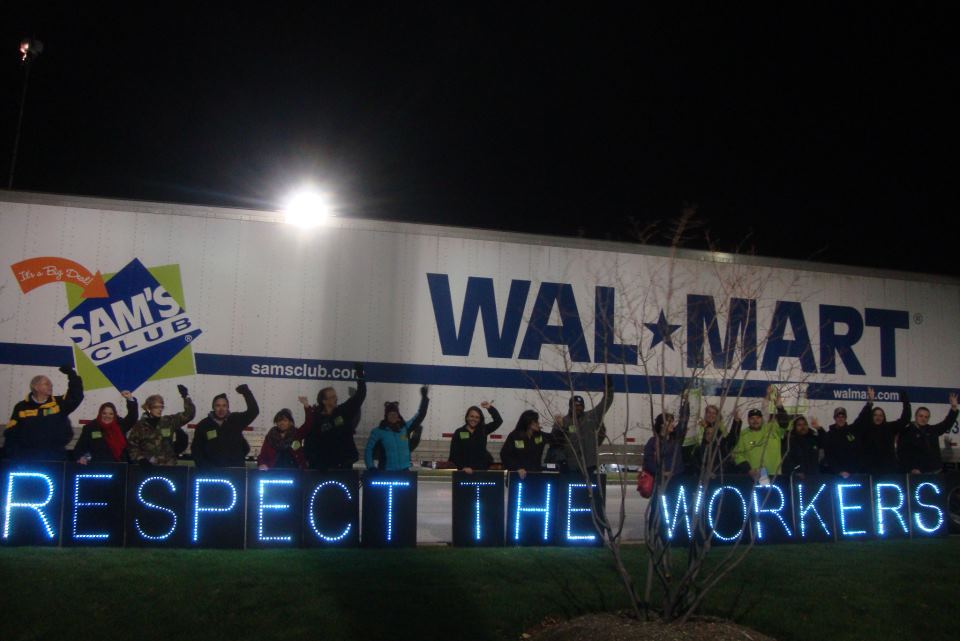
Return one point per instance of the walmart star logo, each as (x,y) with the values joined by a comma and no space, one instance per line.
(662,331)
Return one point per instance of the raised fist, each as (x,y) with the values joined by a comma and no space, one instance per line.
(67,369)
(358,369)
(424,390)
(183,391)
(243,389)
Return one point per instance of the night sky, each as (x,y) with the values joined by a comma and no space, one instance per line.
(829,136)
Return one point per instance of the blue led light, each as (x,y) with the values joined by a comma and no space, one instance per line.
(671,521)
(36,507)
(77,504)
(758,509)
(261,506)
(545,510)
(718,493)
(390,485)
(571,510)
(881,508)
(478,485)
(843,509)
(313,520)
(197,508)
(918,518)
(802,510)
(146,503)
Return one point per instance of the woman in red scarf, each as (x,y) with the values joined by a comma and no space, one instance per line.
(103,440)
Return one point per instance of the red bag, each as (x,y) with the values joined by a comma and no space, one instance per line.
(645,484)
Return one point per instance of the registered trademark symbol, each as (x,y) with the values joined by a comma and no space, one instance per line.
(188,338)
(918,319)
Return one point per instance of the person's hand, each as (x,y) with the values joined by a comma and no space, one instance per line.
(183,391)
(845,475)
(303,400)
(67,369)
(815,424)
(83,460)
(522,473)
(358,370)
(557,419)
(424,390)
(127,395)
(904,397)
(485,404)
(953,400)
(914,471)
(262,468)
(468,470)
(736,413)
(871,395)
(243,389)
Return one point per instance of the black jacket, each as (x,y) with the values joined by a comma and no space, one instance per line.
(223,445)
(880,441)
(803,452)
(694,455)
(843,447)
(919,447)
(330,445)
(40,431)
(470,449)
(91,439)
(522,452)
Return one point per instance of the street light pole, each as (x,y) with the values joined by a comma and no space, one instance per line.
(30,48)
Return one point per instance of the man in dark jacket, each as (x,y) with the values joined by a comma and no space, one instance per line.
(880,436)
(39,427)
(803,445)
(218,440)
(468,449)
(583,431)
(919,446)
(330,445)
(843,443)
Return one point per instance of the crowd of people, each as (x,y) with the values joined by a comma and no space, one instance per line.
(40,429)
(780,443)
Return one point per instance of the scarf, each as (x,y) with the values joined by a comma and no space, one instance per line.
(280,440)
(114,437)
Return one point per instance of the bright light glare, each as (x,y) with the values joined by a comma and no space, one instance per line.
(307,209)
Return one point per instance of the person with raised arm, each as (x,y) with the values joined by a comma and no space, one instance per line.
(522,449)
(880,435)
(919,443)
(468,448)
(283,445)
(330,446)
(104,438)
(39,427)
(394,433)
(218,439)
(151,440)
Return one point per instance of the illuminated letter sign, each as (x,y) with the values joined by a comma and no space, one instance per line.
(854,518)
(576,514)
(273,508)
(890,507)
(928,503)
(156,514)
(32,500)
(217,499)
(94,504)
(478,509)
(530,513)
(772,513)
(331,508)
(814,509)
(389,509)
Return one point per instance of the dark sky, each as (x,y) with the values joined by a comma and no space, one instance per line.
(826,135)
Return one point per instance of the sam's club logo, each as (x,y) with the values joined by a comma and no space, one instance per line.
(135,331)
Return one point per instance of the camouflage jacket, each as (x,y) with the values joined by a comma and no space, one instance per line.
(147,440)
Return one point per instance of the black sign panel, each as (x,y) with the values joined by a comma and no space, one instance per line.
(813,508)
(575,509)
(331,509)
(94,504)
(274,508)
(853,508)
(929,505)
(156,514)
(532,509)
(772,510)
(478,509)
(727,508)
(217,501)
(32,497)
(389,509)
(891,507)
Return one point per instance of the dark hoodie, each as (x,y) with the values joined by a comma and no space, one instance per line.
(880,440)
(469,449)
(330,445)
(222,444)
(920,446)
(523,451)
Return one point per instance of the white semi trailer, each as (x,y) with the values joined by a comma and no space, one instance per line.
(214,297)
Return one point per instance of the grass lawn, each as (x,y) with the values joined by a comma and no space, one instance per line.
(872,590)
